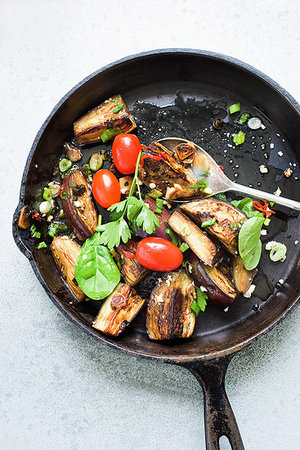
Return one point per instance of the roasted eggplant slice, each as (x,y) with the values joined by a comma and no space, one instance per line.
(241,276)
(118,310)
(161,168)
(24,220)
(78,205)
(228,218)
(65,252)
(198,242)
(104,122)
(220,288)
(169,314)
(131,270)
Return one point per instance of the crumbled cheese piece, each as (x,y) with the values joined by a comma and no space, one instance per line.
(77,203)
(263,169)
(250,291)
(272,145)
(269,245)
(124,190)
(264,232)
(296,242)
(203,289)
(263,127)
(281,281)
(49,218)
(280,153)
(226,309)
(152,185)
(159,298)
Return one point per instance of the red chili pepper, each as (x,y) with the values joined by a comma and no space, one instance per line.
(60,191)
(36,216)
(222,168)
(263,208)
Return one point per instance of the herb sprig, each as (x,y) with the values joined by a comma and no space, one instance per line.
(133,209)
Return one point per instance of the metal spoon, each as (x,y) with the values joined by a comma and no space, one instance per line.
(218,181)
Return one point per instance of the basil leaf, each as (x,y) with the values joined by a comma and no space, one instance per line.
(96,272)
(249,242)
(246,205)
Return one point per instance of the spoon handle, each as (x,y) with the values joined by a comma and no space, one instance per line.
(265,195)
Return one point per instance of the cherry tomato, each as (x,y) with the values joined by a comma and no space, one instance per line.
(158,254)
(106,188)
(125,151)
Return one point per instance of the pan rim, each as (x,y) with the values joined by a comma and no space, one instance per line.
(115,344)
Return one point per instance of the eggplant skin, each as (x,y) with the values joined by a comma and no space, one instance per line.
(225,214)
(198,241)
(131,269)
(220,289)
(169,314)
(80,211)
(118,310)
(91,126)
(241,276)
(65,252)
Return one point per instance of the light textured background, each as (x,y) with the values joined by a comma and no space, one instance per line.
(59,388)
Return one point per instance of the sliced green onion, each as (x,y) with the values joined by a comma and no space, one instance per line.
(45,207)
(42,245)
(56,227)
(110,133)
(174,238)
(47,194)
(205,174)
(278,252)
(96,162)
(34,233)
(236,107)
(155,193)
(65,195)
(200,184)
(64,164)
(208,223)
(195,308)
(267,222)
(87,171)
(243,118)
(239,138)
(61,214)
(184,247)
(118,108)
(254,123)
(159,206)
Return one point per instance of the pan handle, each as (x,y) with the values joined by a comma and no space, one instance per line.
(219,417)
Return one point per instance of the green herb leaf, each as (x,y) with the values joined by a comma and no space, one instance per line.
(134,207)
(117,210)
(249,242)
(113,232)
(208,223)
(96,272)
(147,220)
(195,308)
(239,138)
(220,196)
(236,107)
(243,118)
(246,205)
(56,228)
(201,299)
(174,237)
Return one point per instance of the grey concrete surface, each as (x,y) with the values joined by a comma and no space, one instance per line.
(59,388)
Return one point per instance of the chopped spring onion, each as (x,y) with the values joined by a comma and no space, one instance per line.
(200,184)
(174,238)
(45,207)
(184,247)
(56,227)
(64,195)
(208,223)
(64,164)
(155,193)
(42,245)
(34,233)
(159,206)
(239,138)
(278,252)
(236,107)
(96,162)
(110,133)
(118,108)
(87,171)
(267,222)
(254,123)
(47,194)
(61,214)
(243,118)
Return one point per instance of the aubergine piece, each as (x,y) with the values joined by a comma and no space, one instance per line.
(227,218)
(161,168)
(78,205)
(220,288)
(198,241)
(24,220)
(241,276)
(112,115)
(169,314)
(118,310)
(131,269)
(65,252)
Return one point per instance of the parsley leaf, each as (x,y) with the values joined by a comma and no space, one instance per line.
(113,232)
(134,207)
(117,210)
(201,299)
(147,220)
